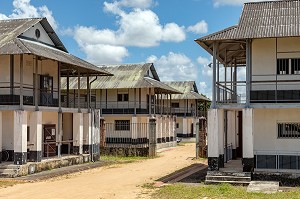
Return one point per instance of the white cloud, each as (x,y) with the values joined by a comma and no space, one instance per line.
(199,28)
(174,66)
(23,9)
(138,27)
(100,54)
(203,86)
(234,2)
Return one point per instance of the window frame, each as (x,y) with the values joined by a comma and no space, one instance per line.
(288,130)
(122,125)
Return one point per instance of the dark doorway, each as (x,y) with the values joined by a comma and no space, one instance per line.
(239,149)
(192,130)
(46,89)
(49,140)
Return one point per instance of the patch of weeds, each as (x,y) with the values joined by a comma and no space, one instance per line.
(9,183)
(224,191)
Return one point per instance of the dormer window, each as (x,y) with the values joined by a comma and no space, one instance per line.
(37,33)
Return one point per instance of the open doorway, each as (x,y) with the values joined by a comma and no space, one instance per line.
(239,149)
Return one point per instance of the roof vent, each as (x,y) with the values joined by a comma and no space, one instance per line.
(37,33)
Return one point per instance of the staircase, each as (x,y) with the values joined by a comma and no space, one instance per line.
(9,171)
(236,178)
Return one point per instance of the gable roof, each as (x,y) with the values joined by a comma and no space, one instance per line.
(12,43)
(188,88)
(267,19)
(126,76)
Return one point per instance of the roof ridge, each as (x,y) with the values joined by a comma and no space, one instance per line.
(22,19)
(265,1)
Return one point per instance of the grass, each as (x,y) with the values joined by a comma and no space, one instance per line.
(224,191)
(8,183)
(122,158)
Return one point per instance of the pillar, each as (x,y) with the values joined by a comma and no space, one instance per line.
(20,137)
(152,137)
(248,154)
(77,133)
(215,138)
(87,131)
(0,136)
(36,130)
(134,132)
(184,127)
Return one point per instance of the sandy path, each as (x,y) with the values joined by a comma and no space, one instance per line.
(118,181)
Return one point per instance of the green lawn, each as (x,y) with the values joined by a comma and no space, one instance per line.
(180,191)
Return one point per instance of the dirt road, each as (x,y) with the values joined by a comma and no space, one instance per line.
(118,181)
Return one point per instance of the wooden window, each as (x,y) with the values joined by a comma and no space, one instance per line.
(123,97)
(282,66)
(295,66)
(122,125)
(288,130)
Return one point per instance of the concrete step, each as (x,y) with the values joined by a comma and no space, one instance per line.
(244,183)
(221,173)
(9,166)
(8,173)
(228,178)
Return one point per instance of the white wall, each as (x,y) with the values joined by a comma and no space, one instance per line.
(8,130)
(265,129)
(264,61)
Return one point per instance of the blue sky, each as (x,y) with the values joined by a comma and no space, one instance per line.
(135,31)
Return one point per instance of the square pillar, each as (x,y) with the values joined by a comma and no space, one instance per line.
(215,139)
(35,139)
(134,132)
(77,133)
(0,136)
(87,133)
(248,154)
(184,127)
(20,137)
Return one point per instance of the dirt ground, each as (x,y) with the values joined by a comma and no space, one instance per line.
(117,181)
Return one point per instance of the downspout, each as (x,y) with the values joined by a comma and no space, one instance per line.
(92,120)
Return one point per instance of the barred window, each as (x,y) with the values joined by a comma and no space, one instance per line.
(288,130)
(295,66)
(282,66)
(122,125)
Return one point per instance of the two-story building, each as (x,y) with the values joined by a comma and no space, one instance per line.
(257,114)
(127,101)
(186,107)
(34,124)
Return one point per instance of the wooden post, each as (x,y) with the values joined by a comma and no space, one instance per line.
(21,81)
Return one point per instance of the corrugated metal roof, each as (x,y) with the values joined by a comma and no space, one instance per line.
(188,88)
(12,43)
(267,19)
(125,76)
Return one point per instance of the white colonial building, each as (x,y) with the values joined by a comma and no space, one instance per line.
(256,117)
(34,123)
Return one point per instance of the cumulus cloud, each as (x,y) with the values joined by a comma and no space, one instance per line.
(138,27)
(199,28)
(174,66)
(23,9)
(233,2)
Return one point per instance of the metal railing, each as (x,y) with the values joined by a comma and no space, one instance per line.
(127,134)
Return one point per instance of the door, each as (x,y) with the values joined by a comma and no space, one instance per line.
(46,89)
(240,135)
(49,140)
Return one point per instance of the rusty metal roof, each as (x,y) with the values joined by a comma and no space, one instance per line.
(268,19)
(12,42)
(125,76)
(188,88)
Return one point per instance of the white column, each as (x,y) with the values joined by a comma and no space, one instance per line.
(248,153)
(36,129)
(77,133)
(20,137)
(170,127)
(134,128)
(0,136)
(87,131)
(248,133)
(184,126)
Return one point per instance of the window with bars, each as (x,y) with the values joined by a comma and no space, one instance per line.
(288,130)
(295,66)
(282,66)
(122,125)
